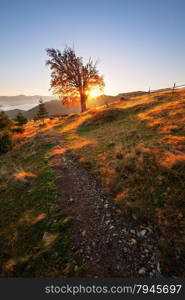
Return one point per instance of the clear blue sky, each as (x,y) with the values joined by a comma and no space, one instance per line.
(138,43)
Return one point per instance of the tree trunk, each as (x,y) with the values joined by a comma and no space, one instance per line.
(83,99)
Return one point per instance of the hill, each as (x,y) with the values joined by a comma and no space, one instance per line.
(13,112)
(56,108)
(119,172)
(136,149)
(131,94)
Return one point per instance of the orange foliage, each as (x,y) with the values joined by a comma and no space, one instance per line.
(31,219)
(169,159)
(22,175)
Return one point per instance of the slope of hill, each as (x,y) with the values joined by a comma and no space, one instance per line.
(102,100)
(135,149)
(131,94)
(12,113)
(56,108)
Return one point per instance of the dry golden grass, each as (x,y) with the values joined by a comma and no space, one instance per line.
(31,228)
(136,148)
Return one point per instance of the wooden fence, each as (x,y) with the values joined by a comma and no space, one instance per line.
(170,88)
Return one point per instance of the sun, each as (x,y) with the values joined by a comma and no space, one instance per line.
(94,92)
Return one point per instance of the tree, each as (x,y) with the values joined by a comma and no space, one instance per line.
(5,133)
(5,122)
(20,119)
(70,78)
(42,112)
(5,142)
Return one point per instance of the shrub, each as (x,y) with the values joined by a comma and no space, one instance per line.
(18,129)
(5,142)
(5,122)
(20,119)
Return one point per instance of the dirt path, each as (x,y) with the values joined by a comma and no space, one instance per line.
(109,246)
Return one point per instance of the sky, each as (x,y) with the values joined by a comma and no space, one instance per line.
(138,44)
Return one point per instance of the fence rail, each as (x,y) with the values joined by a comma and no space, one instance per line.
(169,88)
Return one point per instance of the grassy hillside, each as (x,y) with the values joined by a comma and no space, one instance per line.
(134,147)
(34,228)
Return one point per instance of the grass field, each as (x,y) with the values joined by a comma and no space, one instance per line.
(134,147)
(34,228)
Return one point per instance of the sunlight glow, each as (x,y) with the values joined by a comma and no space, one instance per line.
(94,92)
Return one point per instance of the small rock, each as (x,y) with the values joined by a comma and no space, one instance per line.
(134,217)
(125,249)
(106,205)
(142,271)
(76,268)
(142,232)
(45,235)
(133,231)
(83,233)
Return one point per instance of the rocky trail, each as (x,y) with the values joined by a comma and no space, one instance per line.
(109,245)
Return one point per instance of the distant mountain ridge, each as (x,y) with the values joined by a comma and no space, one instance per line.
(22,99)
(56,108)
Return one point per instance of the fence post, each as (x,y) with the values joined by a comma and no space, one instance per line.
(173,88)
(149,91)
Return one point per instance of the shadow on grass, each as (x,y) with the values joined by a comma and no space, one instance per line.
(144,176)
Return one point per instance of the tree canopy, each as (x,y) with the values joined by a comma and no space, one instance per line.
(71,79)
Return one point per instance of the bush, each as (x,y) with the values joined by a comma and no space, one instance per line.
(5,122)
(18,129)
(20,119)
(5,142)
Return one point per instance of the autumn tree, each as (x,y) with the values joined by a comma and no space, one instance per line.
(71,79)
